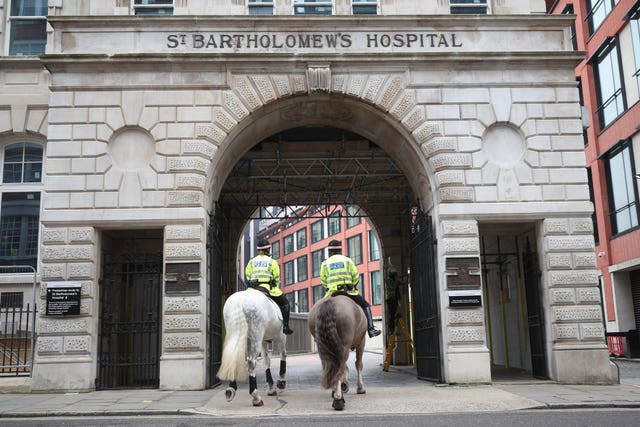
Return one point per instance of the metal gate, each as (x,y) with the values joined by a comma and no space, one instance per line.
(535,316)
(214,245)
(424,284)
(130,300)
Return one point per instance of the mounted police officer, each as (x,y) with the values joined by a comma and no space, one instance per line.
(338,273)
(262,271)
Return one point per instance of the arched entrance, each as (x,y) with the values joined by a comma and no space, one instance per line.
(325,150)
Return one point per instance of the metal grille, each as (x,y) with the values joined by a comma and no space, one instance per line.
(129,345)
(635,295)
(535,316)
(214,244)
(425,298)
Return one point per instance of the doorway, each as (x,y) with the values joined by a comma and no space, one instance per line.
(513,311)
(130,301)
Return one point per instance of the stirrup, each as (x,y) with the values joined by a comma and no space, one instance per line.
(373,332)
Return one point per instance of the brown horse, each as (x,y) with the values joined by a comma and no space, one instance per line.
(338,325)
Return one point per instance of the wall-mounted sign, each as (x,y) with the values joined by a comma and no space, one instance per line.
(63,298)
(465,299)
(463,273)
(182,278)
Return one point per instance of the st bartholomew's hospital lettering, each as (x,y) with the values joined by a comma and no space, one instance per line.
(313,41)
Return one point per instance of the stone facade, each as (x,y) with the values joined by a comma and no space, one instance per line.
(139,132)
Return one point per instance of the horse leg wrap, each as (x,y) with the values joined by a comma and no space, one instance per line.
(269,378)
(253,385)
(233,385)
(283,367)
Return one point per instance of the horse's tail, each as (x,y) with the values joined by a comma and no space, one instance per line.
(330,346)
(234,351)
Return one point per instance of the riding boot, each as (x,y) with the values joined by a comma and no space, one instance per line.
(373,332)
(285,323)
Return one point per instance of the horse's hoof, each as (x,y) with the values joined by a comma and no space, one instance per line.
(345,387)
(362,391)
(260,403)
(281,384)
(230,393)
(272,393)
(338,404)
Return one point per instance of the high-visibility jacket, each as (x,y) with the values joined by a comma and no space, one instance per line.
(339,273)
(266,272)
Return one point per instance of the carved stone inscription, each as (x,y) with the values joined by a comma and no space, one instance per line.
(463,273)
(182,278)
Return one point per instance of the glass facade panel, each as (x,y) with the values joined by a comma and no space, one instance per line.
(460,7)
(312,7)
(635,37)
(354,248)
(598,11)
(260,7)
(365,7)
(317,231)
(611,100)
(22,163)
(287,243)
(302,268)
(623,200)
(288,273)
(376,288)
(153,7)
(301,238)
(275,250)
(334,223)
(316,261)
(318,293)
(303,301)
(374,246)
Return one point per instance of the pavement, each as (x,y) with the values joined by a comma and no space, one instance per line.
(397,390)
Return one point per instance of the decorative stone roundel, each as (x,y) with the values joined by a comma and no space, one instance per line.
(132,148)
(503,145)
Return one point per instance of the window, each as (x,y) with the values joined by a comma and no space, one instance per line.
(260,7)
(303,301)
(334,223)
(354,248)
(19,225)
(275,249)
(291,297)
(318,293)
(22,163)
(11,299)
(623,198)
(288,273)
(312,7)
(568,10)
(153,7)
(28,27)
(611,101)
(374,246)
(365,7)
(353,216)
(302,268)
(598,11)
(317,231)
(301,238)
(634,18)
(376,288)
(316,261)
(287,243)
(361,286)
(459,7)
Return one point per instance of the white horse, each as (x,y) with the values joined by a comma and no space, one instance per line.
(251,319)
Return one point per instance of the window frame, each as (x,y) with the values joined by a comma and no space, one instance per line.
(334,224)
(629,181)
(365,5)
(356,258)
(299,268)
(592,6)
(597,62)
(313,231)
(260,5)
(275,249)
(288,275)
(318,293)
(12,19)
(288,244)
(135,7)
(634,23)
(304,4)
(303,300)
(301,238)
(376,288)
(465,7)
(316,268)
(374,253)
